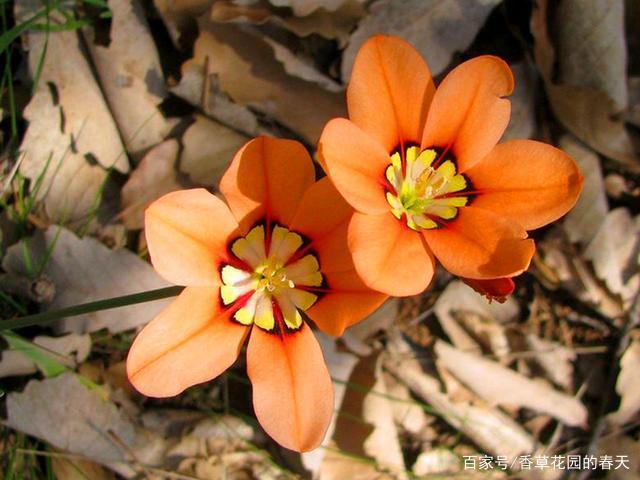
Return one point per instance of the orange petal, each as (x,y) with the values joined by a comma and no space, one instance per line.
(267,179)
(323,217)
(189,342)
(356,164)
(468,114)
(497,289)
(390,91)
(530,182)
(479,244)
(187,233)
(292,390)
(390,257)
(348,302)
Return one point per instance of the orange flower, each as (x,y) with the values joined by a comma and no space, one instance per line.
(275,253)
(423,169)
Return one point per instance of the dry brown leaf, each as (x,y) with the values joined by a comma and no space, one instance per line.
(406,413)
(84,270)
(70,416)
(154,176)
(489,428)
(338,466)
(358,337)
(627,385)
(555,359)
(591,47)
(458,299)
(179,15)
(586,111)
(614,253)
(383,444)
(87,121)
(499,385)
(247,71)
(522,123)
(208,148)
(332,25)
(301,67)
(131,76)
(303,8)
(68,350)
(437,461)
(437,28)
(634,101)
(584,220)
(74,469)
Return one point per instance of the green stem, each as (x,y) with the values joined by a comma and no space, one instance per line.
(47,317)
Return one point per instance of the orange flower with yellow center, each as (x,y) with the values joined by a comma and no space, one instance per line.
(261,264)
(427,177)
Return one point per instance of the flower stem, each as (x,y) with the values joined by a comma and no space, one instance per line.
(47,317)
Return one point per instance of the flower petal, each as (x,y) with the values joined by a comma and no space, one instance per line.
(497,289)
(390,257)
(267,178)
(468,114)
(292,390)
(479,244)
(356,164)
(530,182)
(390,91)
(323,217)
(348,302)
(189,342)
(321,210)
(187,234)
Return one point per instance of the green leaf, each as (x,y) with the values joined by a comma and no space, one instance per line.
(40,356)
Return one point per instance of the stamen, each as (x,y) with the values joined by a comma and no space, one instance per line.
(422,193)
(271,290)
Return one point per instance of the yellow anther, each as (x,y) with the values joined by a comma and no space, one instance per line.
(422,194)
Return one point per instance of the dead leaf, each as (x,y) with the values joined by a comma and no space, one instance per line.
(247,71)
(586,33)
(131,76)
(74,469)
(489,428)
(71,138)
(522,123)
(502,386)
(437,28)
(68,350)
(627,385)
(614,253)
(303,8)
(155,175)
(71,417)
(555,359)
(336,25)
(584,110)
(383,444)
(358,337)
(439,461)
(208,148)
(458,299)
(301,67)
(584,220)
(84,270)
(203,92)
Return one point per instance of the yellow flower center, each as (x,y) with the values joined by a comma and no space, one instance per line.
(273,284)
(423,192)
